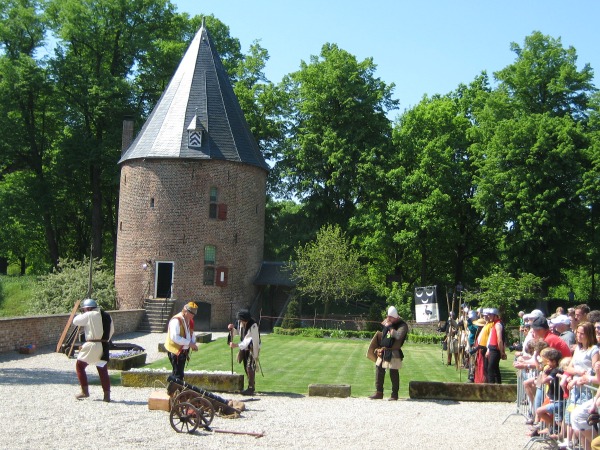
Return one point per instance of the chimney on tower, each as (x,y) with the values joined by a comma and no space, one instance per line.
(127,137)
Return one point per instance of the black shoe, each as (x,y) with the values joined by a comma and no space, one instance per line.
(249,391)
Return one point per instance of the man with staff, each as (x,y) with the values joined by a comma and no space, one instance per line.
(249,346)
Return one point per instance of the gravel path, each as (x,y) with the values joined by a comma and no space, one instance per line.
(38,410)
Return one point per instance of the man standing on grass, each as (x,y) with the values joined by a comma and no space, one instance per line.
(386,351)
(249,346)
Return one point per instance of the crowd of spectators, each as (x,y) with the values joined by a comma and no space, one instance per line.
(559,373)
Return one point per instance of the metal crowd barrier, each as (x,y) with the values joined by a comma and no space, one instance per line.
(557,429)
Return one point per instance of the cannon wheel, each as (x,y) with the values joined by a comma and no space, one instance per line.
(206,411)
(184,417)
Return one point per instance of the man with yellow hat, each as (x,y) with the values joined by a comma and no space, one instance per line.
(180,338)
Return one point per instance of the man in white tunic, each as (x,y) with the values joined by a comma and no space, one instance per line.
(98,329)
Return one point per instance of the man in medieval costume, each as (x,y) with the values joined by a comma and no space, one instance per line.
(180,339)
(249,346)
(385,351)
(98,329)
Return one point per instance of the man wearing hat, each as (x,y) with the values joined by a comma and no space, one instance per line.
(562,327)
(541,331)
(385,351)
(249,346)
(180,339)
(98,329)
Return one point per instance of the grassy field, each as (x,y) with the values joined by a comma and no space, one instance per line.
(15,293)
(291,363)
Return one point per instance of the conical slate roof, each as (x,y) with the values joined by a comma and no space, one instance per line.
(198,116)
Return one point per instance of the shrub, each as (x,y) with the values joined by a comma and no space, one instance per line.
(291,319)
(58,291)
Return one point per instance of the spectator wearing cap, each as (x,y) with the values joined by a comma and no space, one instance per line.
(496,347)
(562,328)
(529,318)
(180,339)
(541,330)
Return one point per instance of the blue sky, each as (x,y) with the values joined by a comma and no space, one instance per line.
(423,47)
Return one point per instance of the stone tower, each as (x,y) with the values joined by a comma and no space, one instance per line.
(192,196)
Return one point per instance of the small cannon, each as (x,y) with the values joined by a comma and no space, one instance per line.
(192,406)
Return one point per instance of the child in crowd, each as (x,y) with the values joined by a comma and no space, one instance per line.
(551,411)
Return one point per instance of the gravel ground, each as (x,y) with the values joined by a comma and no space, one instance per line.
(38,410)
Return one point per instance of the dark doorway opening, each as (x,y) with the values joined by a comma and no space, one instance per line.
(202,319)
(164,279)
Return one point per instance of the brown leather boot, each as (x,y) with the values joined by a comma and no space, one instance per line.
(106,397)
(376,396)
(85,393)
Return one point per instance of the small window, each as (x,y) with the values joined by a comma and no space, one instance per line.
(210,252)
(213,194)
(209,276)
(152,202)
(212,211)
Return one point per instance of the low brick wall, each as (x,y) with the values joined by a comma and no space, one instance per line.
(46,330)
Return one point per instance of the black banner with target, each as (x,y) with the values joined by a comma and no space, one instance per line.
(426,305)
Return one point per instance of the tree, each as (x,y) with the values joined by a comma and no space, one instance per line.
(533,160)
(28,116)
(337,134)
(502,290)
(327,270)
(423,228)
(292,315)
(544,78)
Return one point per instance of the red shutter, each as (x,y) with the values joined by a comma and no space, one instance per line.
(222,211)
(221,276)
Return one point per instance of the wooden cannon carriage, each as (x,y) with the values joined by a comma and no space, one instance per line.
(192,406)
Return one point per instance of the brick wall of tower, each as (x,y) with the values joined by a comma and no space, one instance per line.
(164,216)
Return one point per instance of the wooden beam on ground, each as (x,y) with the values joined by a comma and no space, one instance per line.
(466,392)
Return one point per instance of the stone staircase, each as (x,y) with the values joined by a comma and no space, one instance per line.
(157,315)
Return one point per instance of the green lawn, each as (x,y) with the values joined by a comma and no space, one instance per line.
(291,363)
(15,293)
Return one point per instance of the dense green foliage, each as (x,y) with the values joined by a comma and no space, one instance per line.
(58,291)
(499,178)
